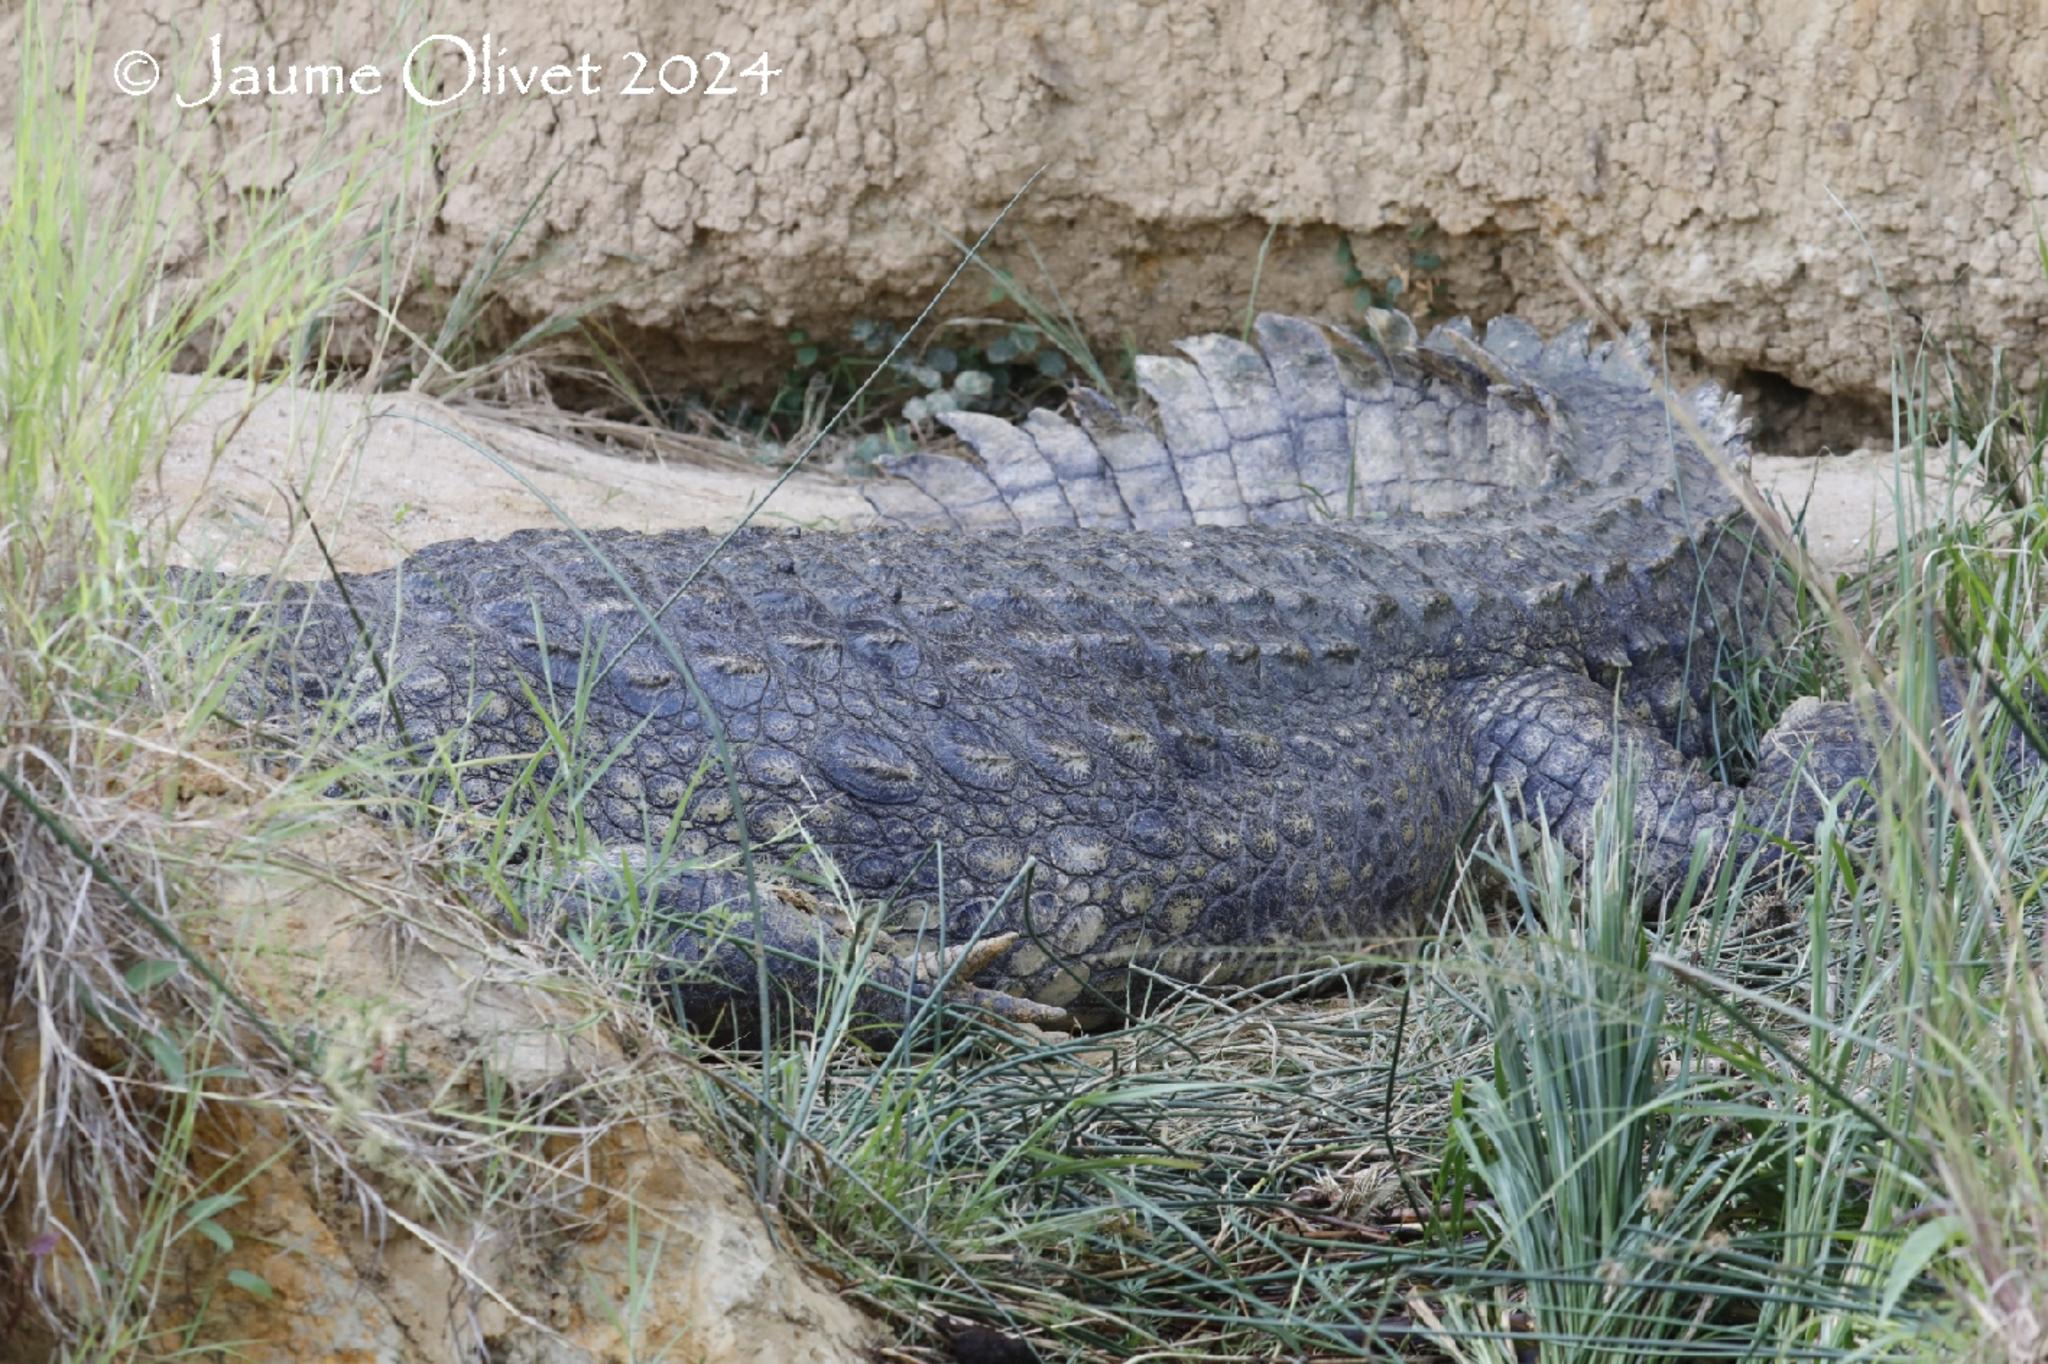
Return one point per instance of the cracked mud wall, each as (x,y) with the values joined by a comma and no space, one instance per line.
(1685,159)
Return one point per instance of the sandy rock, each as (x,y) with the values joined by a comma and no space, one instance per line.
(1849,504)
(638,1243)
(386,475)
(1739,174)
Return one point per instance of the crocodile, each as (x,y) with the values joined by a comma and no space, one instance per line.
(1187,695)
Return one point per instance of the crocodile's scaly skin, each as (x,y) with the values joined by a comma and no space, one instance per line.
(1237,685)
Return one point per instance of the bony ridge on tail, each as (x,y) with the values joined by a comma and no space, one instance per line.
(1176,691)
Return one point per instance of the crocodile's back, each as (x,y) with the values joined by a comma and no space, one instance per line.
(1215,686)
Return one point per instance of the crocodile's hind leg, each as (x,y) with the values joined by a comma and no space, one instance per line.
(1551,737)
(707,937)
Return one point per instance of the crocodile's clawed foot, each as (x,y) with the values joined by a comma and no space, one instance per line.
(952,969)
(1040,1022)
(1047,1025)
(962,961)
(715,941)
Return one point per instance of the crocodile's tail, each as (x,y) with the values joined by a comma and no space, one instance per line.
(1315,422)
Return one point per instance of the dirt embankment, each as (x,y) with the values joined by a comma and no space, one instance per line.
(614,1232)
(1742,176)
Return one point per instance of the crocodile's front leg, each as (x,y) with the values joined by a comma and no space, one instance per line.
(709,938)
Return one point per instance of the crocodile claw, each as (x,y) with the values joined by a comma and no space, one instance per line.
(962,961)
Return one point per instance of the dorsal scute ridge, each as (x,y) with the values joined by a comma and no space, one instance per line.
(1720,415)
(1025,478)
(971,498)
(1392,331)
(1626,362)
(1302,420)
(1455,338)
